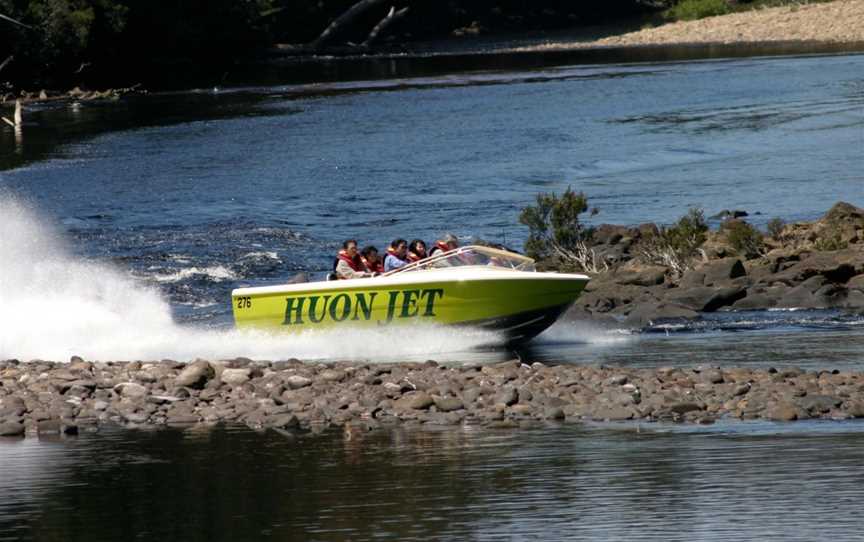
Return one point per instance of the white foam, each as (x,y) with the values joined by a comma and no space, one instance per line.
(571,330)
(217,273)
(54,305)
(266,255)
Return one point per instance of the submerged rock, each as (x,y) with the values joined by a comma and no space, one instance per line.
(11,429)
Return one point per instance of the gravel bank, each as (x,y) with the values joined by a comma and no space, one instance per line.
(841,21)
(44,397)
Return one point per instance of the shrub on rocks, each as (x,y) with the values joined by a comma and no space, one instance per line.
(676,246)
(746,240)
(775,229)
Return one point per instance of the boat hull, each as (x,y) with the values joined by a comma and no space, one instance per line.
(520,305)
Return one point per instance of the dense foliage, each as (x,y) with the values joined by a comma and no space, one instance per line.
(122,41)
(554,223)
(555,231)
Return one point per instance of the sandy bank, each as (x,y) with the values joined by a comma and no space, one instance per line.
(44,397)
(841,21)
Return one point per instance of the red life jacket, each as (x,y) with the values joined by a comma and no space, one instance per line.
(412,257)
(354,263)
(377,267)
(440,246)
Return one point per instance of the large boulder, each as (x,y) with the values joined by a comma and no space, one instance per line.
(723,270)
(195,375)
(11,429)
(837,266)
(706,298)
(658,312)
(760,298)
(235,377)
(814,293)
(843,212)
(856,283)
(650,275)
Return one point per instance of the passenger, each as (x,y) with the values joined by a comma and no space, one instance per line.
(416,251)
(445,244)
(369,257)
(348,262)
(396,255)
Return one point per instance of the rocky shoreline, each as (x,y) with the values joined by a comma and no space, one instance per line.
(838,21)
(39,397)
(808,265)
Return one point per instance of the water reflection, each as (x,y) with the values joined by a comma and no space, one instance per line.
(733,481)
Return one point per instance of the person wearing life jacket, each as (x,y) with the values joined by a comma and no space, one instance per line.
(397,255)
(416,250)
(369,257)
(445,244)
(348,262)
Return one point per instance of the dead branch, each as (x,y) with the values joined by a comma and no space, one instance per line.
(7,61)
(344,20)
(384,24)
(582,257)
(15,21)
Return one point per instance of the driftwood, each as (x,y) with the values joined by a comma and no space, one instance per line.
(382,25)
(16,119)
(344,20)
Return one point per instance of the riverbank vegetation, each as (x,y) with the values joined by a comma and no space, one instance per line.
(689,10)
(111,43)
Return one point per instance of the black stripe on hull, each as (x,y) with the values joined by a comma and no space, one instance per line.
(524,326)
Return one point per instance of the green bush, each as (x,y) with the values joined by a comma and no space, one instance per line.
(688,10)
(676,246)
(688,233)
(554,224)
(775,229)
(830,240)
(744,238)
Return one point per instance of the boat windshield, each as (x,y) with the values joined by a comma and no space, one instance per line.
(471,256)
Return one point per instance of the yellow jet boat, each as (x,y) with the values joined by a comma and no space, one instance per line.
(470,286)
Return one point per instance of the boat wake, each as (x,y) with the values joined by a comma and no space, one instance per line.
(56,305)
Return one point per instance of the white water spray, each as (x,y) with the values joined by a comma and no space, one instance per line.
(54,305)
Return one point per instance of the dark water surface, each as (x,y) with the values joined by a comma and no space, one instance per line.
(124,226)
(198,193)
(744,481)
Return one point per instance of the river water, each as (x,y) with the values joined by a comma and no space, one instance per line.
(741,481)
(126,224)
